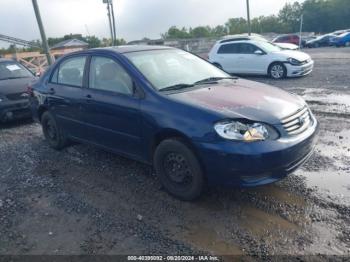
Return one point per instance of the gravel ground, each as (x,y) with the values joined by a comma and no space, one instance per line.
(82,200)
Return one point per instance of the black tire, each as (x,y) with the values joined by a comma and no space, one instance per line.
(53,134)
(277,70)
(179,170)
(347,44)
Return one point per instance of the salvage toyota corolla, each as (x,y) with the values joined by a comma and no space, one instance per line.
(197,125)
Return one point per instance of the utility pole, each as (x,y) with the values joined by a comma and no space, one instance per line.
(42,32)
(113,22)
(248,17)
(301,29)
(110,14)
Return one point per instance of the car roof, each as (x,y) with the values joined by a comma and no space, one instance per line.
(134,48)
(240,40)
(242,37)
(7,60)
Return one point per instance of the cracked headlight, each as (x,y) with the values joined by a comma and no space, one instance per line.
(294,61)
(237,130)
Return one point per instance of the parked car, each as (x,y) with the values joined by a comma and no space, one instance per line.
(259,57)
(340,32)
(257,37)
(291,39)
(163,106)
(14,79)
(321,41)
(341,40)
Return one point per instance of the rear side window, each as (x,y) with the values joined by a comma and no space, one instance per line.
(229,49)
(106,74)
(70,72)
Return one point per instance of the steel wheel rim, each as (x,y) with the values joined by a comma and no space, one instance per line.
(177,170)
(277,71)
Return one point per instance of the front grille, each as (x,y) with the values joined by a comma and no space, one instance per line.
(298,122)
(17,96)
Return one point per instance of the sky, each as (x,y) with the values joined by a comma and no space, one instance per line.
(135,19)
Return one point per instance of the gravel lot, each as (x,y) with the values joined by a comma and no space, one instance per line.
(82,200)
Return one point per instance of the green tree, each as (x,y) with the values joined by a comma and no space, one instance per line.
(289,16)
(200,31)
(237,25)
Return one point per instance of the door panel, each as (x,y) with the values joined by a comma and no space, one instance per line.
(111,113)
(229,58)
(65,91)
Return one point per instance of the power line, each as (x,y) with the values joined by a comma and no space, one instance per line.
(18,41)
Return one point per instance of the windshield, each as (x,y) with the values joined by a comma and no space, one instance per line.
(269,47)
(164,68)
(13,70)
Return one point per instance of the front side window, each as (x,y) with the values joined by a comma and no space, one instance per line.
(164,68)
(108,75)
(13,70)
(70,72)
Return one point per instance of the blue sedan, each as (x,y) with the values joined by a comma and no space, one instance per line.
(195,124)
(341,40)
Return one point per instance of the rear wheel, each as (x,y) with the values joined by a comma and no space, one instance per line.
(277,71)
(179,170)
(53,134)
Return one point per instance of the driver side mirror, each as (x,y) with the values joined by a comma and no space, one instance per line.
(258,52)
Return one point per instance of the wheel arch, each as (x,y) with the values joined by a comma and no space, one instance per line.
(170,133)
(276,62)
(41,110)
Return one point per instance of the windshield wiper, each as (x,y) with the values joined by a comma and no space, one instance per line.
(208,80)
(213,79)
(177,87)
(13,77)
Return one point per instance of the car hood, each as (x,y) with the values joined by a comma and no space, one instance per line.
(13,86)
(243,99)
(287,46)
(300,56)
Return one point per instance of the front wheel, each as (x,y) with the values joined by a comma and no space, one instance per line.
(179,170)
(53,134)
(277,71)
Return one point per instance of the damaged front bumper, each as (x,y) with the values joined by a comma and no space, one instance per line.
(12,110)
(230,163)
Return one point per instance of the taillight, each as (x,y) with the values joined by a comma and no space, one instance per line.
(30,90)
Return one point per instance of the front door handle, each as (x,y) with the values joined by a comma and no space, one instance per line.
(88,96)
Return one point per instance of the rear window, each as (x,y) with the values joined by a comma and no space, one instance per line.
(229,49)
(13,70)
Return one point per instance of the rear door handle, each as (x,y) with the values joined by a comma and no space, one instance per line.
(88,96)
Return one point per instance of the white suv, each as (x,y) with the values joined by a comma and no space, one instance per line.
(253,56)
